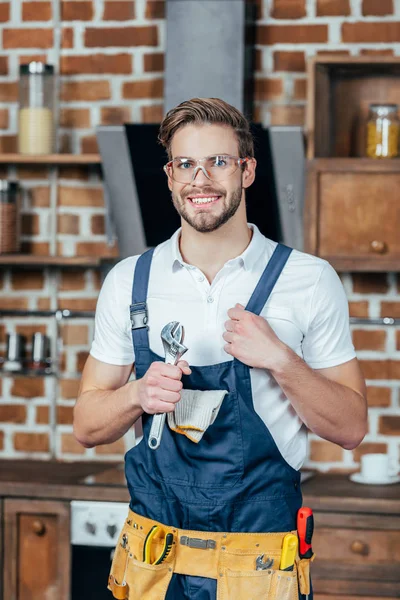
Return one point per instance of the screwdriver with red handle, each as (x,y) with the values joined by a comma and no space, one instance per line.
(305,529)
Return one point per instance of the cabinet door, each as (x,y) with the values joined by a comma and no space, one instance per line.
(36,550)
(359,214)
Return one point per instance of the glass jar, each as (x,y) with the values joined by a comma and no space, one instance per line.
(36,109)
(383,131)
(9,216)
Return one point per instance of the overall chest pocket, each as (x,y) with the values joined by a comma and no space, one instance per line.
(215,462)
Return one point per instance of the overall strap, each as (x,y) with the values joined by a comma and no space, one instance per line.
(268,279)
(138,308)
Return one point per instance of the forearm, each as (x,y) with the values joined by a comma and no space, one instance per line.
(104,416)
(333,411)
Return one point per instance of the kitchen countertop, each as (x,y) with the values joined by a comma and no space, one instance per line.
(106,482)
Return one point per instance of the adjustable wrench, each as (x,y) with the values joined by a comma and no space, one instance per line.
(172,338)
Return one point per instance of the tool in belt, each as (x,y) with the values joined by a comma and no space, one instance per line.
(230,558)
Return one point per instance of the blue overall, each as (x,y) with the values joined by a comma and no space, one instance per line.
(235,479)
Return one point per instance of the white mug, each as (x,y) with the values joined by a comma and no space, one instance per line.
(378,467)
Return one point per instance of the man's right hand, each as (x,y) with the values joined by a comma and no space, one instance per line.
(159,389)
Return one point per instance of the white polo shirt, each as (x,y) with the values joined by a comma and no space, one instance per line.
(307,309)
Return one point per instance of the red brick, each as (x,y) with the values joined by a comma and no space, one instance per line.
(31,442)
(152,114)
(118,10)
(364,339)
(69,444)
(8,91)
(150,88)
(27,387)
(154,62)
(68,224)
(117,447)
(76,10)
(4,12)
(78,303)
(2,334)
(96,37)
(1,440)
(155,9)
(75,118)
(3,65)
(65,415)
(359,309)
(13,303)
(97,64)
(69,388)
(32,172)
(289,61)
(37,248)
(380,369)
(81,358)
(12,413)
(370,283)
(75,172)
(287,115)
(30,224)
(333,8)
(371,32)
(74,196)
(324,451)
(40,197)
(98,225)
(89,144)
(390,309)
(288,9)
(370,52)
(29,330)
(4,118)
(268,89)
(36,11)
(74,335)
(67,37)
(42,415)
(91,91)
(369,448)
(8,143)
(300,89)
(377,7)
(333,53)
(43,304)
(28,38)
(115,115)
(378,396)
(96,249)
(291,34)
(389,425)
(27,280)
(72,279)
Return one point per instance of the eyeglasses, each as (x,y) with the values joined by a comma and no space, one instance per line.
(216,168)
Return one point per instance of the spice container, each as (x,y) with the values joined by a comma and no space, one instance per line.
(383,129)
(36,109)
(9,216)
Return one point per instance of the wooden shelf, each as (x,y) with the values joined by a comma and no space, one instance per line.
(50,159)
(56,261)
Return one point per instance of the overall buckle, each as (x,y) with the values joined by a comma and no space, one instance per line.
(138,315)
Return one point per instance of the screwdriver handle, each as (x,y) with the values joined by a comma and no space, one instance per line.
(305,530)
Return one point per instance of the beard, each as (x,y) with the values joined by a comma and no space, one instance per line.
(205,222)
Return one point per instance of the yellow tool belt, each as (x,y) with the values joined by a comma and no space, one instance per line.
(230,558)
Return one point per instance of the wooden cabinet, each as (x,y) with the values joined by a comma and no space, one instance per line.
(352,213)
(37,560)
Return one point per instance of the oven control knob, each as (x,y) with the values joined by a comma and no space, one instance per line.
(111,530)
(90,527)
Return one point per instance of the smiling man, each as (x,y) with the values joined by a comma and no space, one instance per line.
(270,356)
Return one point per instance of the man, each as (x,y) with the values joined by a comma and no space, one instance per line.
(267,327)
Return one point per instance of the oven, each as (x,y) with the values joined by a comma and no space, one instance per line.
(95,527)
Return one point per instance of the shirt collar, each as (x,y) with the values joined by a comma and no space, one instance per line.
(247,258)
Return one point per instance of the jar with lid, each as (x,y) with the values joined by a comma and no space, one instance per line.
(36,109)
(9,216)
(383,129)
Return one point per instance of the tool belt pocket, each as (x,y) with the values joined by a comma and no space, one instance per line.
(257,585)
(303,570)
(132,578)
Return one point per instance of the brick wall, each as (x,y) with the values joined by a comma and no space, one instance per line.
(111,65)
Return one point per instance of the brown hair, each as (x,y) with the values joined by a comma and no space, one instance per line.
(207,110)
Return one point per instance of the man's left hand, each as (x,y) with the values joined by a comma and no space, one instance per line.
(251,339)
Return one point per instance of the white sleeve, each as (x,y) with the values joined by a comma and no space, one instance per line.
(328,342)
(112,341)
